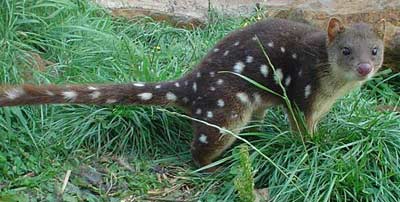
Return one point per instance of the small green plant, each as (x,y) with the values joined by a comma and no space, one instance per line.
(244,182)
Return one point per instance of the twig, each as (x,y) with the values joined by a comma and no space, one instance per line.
(121,161)
(66,179)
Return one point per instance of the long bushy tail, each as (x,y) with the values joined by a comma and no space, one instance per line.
(135,93)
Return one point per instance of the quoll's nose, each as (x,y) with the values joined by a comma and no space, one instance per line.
(364,69)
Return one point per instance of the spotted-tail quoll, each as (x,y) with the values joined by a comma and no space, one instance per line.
(314,67)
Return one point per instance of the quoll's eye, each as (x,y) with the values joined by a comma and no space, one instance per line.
(346,51)
(375,51)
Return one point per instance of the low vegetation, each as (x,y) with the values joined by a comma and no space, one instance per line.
(141,153)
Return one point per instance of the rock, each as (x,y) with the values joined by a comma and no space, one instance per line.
(192,13)
(392,50)
(183,21)
(317,12)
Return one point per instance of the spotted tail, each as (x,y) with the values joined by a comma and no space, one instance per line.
(136,93)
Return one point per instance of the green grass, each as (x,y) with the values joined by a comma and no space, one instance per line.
(143,151)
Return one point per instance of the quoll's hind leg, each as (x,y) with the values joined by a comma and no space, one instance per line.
(259,114)
(209,142)
(257,119)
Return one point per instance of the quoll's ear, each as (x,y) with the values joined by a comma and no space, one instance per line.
(335,26)
(379,28)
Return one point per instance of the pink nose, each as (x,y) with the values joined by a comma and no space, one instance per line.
(364,69)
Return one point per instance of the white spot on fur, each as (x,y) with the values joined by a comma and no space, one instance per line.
(283,49)
(294,56)
(239,66)
(49,93)
(236,43)
(95,95)
(203,139)
(210,114)
(145,96)
(138,84)
(216,50)
(15,93)
(249,59)
(198,111)
(226,53)
(185,100)
(257,98)
(170,96)
(92,88)
(111,101)
(198,74)
(186,83)
(177,84)
(220,81)
(300,73)
(307,91)
(212,74)
(243,97)
(254,38)
(220,103)
(270,44)
(158,86)
(194,86)
(234,115)
(69,95)
(288,80)
(278,76)
(264,70)
(212,88)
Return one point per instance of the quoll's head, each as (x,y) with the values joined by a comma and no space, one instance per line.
(356,52)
